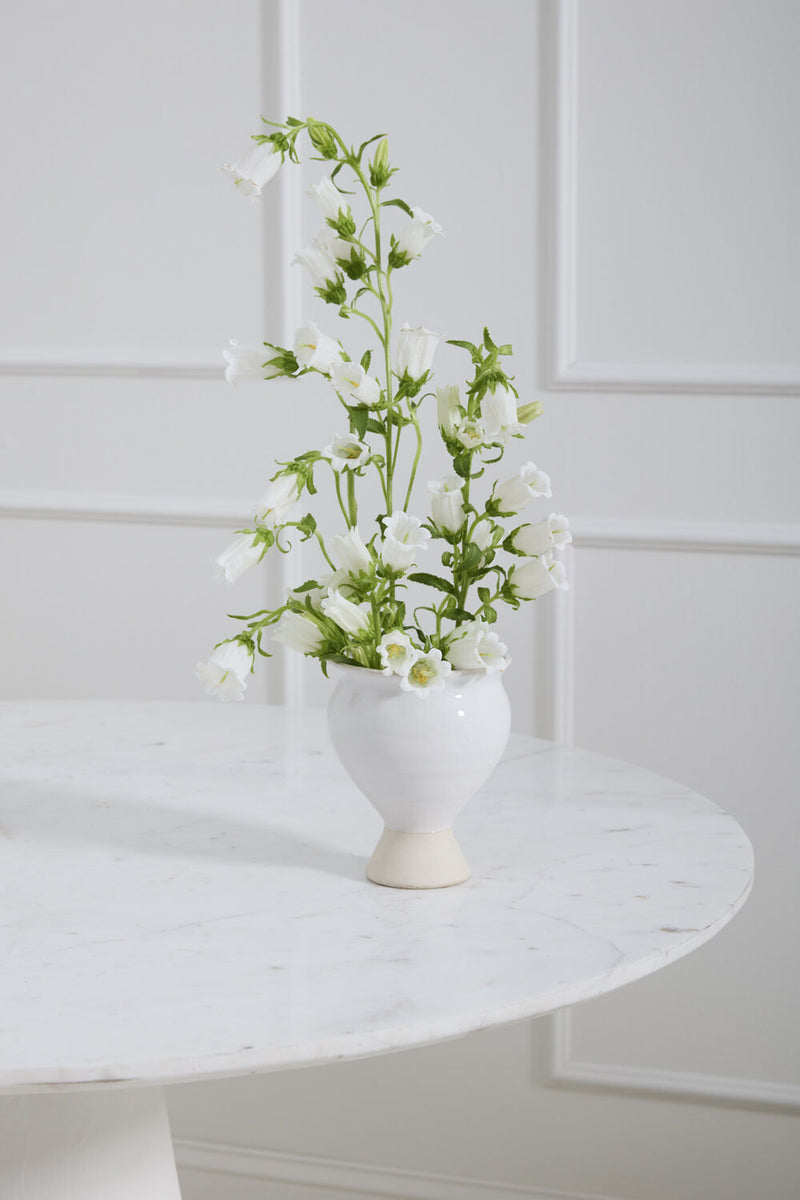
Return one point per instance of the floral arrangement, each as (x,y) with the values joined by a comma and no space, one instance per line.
(357,609)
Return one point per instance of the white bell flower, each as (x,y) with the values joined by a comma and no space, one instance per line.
(351,552)
(315,350)
(255,169)
(476,648)
(447,503)
(536,576)
(415,350)
(225,673)
(352,618)
(499,410)
(513,495)
(403,537)
(414,237)
(329,198)
(426,674)
(447,406)
(397,653)
(542,537)
(238,557)
(353,382)
(247,363)
(345,452)
(278,501)
(482,534)
(471,433)
(319,263)
(298,633)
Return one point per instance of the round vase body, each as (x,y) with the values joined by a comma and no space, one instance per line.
(418,760)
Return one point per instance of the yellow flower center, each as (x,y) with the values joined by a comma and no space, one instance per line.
(350,451)
(395,651)
(421,673)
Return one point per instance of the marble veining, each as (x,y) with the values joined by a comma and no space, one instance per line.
(184,895)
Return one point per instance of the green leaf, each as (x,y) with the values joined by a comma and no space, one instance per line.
(307,586)
(484,594)
(461,464)
(294,121)
(366,359)
(487,341)
(491,614)
(506,349)
(359,418)
(397,204)
(307,526)
(434,581)
(375,426)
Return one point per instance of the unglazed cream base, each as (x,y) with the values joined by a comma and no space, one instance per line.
(418,860)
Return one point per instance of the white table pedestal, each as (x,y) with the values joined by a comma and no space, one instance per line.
(95,1145)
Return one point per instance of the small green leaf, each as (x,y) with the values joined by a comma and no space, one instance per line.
(484,594)
(434,581)
(366,359)
(375,426)
(491,614)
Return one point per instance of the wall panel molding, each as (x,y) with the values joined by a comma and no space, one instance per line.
(564,1071)
(129,362)
(564,368)
(560,1068)
(352,1179)
(127,509)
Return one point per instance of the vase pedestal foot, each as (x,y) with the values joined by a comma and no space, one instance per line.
(417,860)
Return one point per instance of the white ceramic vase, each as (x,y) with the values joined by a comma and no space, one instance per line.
(418,761)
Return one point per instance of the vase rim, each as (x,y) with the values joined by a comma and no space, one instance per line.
(376,672)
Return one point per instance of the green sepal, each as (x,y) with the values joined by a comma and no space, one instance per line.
(307,526)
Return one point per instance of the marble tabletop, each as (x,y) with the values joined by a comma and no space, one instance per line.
(184,895)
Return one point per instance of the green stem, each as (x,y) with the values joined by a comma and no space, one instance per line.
(351,499)
(339,496)
(416,461)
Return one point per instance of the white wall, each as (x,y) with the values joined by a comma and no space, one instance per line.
(618,190)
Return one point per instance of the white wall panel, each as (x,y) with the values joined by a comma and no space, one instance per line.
(117,228)
(686,662)
(677,195)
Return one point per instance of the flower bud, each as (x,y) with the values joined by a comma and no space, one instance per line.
(322,139)
(379,170)
(528,412)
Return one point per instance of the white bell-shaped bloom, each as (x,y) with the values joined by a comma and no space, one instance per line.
(345,452)
(329,198)
(536,576)
(471,433)
(238,557)
(351,552)
(315,350)
(298,633)
(447,503)
(415,350)
(414,237)
(225,673)
(352,618)
(476,648)
(403,538)
(255,169)
(447,409)
(513,495)
(482,534)
(247,363)
(542,537)
(319,263)
(426,674)
(499,410)
(278,501)
(397,653)
(352,381)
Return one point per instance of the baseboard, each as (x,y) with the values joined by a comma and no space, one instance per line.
(353,1179)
